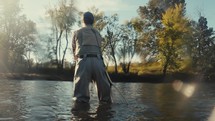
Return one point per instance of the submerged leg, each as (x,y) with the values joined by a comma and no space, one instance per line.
(102,82)
(81,81)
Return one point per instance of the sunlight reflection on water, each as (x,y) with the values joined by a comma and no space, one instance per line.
(185,89)
(52,101)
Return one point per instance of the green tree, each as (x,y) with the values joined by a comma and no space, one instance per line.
(151,21)
(202,47)
(171,38)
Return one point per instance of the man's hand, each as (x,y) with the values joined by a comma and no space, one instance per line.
(75,58)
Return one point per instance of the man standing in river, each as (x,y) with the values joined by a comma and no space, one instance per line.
(89,66)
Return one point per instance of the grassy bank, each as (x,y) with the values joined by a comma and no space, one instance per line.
(149,72)
(150,78)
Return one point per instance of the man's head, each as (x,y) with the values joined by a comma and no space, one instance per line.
(88,18)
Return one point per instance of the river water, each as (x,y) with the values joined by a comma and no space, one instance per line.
(37,100)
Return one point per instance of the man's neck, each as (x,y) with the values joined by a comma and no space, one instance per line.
(88,25)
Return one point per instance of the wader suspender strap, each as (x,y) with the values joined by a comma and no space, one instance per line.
(96,40)
(98,44)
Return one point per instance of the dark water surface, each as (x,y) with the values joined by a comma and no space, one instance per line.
(52,101)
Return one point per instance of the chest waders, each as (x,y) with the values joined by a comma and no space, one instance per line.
(108,77)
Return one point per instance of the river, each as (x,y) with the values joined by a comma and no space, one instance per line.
(42,100)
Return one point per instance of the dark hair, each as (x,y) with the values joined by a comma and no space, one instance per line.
(88,18)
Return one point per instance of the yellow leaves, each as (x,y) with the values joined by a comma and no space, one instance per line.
(174,18)
(137,24)
(175,24)
(171,35)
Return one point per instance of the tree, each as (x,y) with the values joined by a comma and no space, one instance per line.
(171,38)
(3,52)
(127,45)
(43,50)
(18,33)
(151,21)
(29,41)
(202,47)
(112,37)
(62,19)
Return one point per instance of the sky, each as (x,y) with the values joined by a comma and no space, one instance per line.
(35,9)
(126,9)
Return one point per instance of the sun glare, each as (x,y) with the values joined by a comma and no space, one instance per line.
(212,116)
(186,89)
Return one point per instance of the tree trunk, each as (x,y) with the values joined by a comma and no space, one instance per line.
(64,52)
(114,58)
(128,67)
(115,63)
(57,48)
(166,64)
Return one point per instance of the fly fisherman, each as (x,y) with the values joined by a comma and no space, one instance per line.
(89,66)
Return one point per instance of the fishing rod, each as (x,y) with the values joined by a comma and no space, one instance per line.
(111,83)
(109,79)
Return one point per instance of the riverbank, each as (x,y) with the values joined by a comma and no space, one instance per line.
(35,76)
(150,78)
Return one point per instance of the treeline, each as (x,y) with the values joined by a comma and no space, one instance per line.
(161,32)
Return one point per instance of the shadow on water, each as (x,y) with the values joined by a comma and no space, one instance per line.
(101,112)
(52,101)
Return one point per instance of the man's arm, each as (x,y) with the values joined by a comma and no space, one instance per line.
(74,38)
